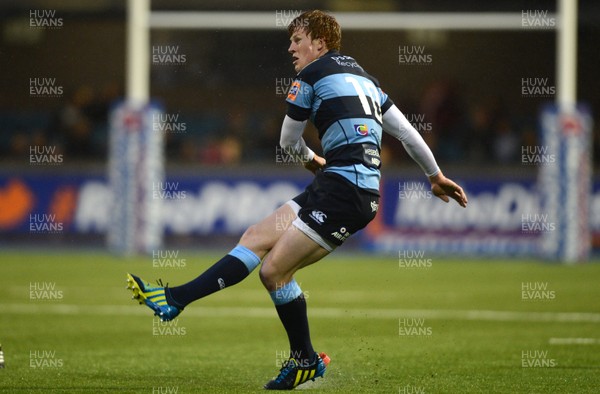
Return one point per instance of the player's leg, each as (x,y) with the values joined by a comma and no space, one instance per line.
(168,302)
(332,210)
(254,244)
(293,250)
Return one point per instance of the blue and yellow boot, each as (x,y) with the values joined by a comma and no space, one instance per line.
(153,295)
(293,373)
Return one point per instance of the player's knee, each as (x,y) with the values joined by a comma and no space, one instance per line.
(265,275)
(250,235)
(269,276)
(252,239)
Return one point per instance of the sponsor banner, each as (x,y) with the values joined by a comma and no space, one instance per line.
(503,216)
(42,203)
(199,205)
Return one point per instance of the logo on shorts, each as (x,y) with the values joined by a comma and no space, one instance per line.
(361,129)
(318,216)
(374,206)
(342,235)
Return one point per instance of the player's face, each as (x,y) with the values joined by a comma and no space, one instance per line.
(304,50)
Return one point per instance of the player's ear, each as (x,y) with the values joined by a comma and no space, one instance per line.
(321,43)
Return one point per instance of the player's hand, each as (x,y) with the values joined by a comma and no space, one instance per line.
(317,163)
(445,189)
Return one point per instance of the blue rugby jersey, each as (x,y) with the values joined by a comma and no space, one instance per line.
(346,105)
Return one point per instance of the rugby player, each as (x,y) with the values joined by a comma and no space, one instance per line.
(350,111)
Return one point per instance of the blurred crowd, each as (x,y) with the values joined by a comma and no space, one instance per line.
(458,132)
(482,132)
(77,129)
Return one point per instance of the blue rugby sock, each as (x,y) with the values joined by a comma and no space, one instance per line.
(291,308)
(228,271)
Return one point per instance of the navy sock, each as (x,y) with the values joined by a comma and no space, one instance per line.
(295,321)
(228,271)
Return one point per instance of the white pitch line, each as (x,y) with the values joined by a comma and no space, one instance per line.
(336,313)
(574,341)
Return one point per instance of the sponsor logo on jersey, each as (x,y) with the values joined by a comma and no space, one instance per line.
(372,156)
(346,61)
(294,91)
(361,129)
(318,216)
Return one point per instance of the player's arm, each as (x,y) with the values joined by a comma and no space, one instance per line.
(396,124)
(299,100)
(293,144)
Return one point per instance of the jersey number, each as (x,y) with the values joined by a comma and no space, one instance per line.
(372,93)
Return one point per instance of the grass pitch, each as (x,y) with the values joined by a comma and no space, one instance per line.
(68,325)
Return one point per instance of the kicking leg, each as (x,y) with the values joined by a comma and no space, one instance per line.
(168,302)
(239,263)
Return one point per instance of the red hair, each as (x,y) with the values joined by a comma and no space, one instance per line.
(318,24)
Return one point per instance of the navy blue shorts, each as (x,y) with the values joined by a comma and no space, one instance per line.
(331,209)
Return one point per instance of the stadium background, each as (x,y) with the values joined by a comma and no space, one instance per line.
(223,96)
(489,315)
